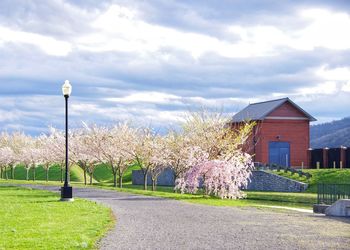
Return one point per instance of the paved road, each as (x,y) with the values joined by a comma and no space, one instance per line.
(155,223)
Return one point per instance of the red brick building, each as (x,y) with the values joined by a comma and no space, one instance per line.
(282,134)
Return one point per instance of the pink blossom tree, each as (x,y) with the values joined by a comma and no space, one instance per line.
(223,178)
(216,160)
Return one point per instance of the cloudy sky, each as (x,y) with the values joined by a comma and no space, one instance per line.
(151,61)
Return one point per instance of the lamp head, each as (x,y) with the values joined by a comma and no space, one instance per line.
(66,88)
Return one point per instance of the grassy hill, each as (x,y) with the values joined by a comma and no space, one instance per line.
(76,174)
(331,134)
(102,173)
(327,176)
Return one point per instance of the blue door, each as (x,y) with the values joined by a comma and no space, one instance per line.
(279,153)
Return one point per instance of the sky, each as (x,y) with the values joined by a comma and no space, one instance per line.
(153,61)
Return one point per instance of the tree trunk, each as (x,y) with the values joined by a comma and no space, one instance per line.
(84,176)
(47,174)
(175,178)
(1,172)
(120,180)
(114,179)
(6,175)
(61,173)
(154,184)
(12,172)
(34,174)
(27,177)
(145,181)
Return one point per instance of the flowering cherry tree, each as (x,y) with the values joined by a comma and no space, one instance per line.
(217,161)
(159,159)
(223,178)
(113,146)
(150,153)
(179,154)
(82,152)
(15,142)
(6,156)
(55,145)
(47,153)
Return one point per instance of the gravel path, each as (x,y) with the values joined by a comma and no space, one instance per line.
(155,223)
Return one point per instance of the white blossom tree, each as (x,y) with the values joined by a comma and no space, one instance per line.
(113,146)
(151,154)
(6,158)
(48,154)
(56,146)
(179,150)
(82,152)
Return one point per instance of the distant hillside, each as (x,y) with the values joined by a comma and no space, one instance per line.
(331,134)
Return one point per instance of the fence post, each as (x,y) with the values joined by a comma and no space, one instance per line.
(318,165)
(334,164)
(302,165)
(343,155)
(325,158)
(341,164)
(309,158)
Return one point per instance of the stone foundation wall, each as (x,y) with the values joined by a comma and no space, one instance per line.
(265,181)
(166,178)
(259,181)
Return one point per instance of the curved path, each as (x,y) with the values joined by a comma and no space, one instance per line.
(154,223)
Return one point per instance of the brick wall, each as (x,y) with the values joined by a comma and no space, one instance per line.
(287,110)
(296,132)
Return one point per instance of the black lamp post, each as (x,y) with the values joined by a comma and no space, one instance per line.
(66,190)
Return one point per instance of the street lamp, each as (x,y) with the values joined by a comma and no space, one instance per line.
(66,190)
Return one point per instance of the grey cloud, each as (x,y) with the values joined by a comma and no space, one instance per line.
(56,18)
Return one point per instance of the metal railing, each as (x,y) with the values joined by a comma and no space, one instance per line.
(330,193)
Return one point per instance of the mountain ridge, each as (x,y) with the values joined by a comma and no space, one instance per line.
(331,134)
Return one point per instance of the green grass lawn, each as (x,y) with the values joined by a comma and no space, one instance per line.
(330,176)
(301,200)
(254,198)
(35,219)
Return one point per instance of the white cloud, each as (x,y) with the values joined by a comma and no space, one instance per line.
(323,29)
(335,74)
(326,88)
(147,97)
(123,29)
(346,87)
(120,29)
(327,29)
(49,45)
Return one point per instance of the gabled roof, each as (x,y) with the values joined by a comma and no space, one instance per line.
(258,111)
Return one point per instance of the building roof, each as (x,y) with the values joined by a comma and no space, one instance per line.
(259,111)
